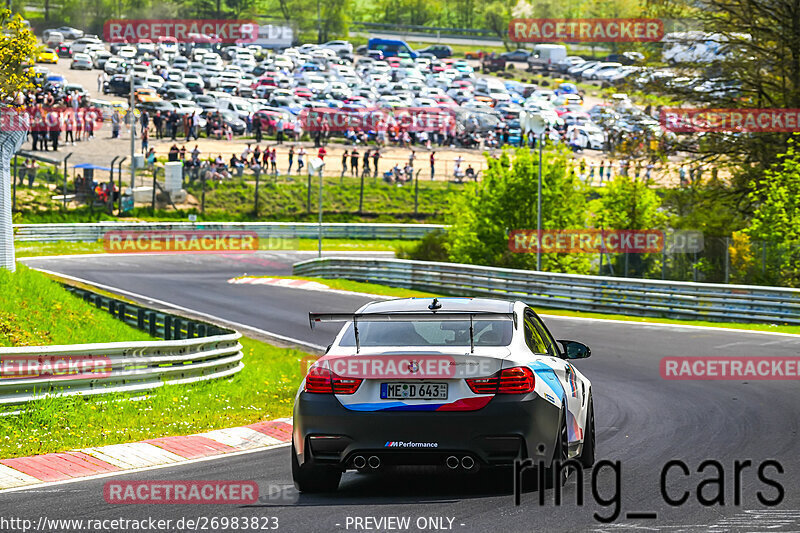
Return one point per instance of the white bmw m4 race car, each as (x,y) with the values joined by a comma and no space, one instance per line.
(462,383)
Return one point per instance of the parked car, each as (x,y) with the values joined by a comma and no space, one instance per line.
(493,63)
(593,72)
(626,58)
(437,50)
(81,62)
(338,46)
(54,38)
(63,50)
(48,55)
(66,32)
(569,62)
(521,55)
(81,44)
(99,59)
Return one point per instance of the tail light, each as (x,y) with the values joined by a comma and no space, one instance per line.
(517,380)
(323,381)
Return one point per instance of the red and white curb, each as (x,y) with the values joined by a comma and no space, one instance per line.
(280,282)
(53,467)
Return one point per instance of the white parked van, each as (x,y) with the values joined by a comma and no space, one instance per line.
(546,56)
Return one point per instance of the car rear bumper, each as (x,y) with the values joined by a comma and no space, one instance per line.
(508,427)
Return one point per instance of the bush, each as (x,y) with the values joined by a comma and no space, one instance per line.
(432,247)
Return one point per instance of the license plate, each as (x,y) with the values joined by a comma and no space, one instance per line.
(413,391)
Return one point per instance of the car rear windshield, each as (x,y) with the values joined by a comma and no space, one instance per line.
(444,333)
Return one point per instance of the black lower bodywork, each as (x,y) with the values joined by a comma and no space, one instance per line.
(509,427)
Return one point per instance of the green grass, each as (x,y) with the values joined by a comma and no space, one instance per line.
(283,200)
(383,290)
(35,310)
(263,390)
(352,245)
(289,200)
(36,249)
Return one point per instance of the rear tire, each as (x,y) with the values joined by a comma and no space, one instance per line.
(587,456)
(309,478)
(560,455)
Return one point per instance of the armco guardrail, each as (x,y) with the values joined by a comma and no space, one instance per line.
(94,232)
(193,351)
(654,298)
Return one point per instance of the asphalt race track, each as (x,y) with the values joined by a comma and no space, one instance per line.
(643,421)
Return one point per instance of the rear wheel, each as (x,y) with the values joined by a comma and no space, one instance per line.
(587,453)
(559,470)
(310,478)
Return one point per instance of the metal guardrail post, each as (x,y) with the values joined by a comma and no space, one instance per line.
(65,179)
(255,200)
(153,205)
(308,199)
(361,197)
(203,195)
(727,260)
(14,186)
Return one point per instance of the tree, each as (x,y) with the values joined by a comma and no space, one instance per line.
(18,48)
(484,214)
(497,16)
(629,204)
(335,18)
(776,219)
(759,67)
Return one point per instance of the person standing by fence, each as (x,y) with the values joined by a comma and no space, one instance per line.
(376,155)
(279,131)
(115,124)
(69,126)
(354,162)
(301,154)
(345,155)
(366,170)
(433,164)
(145,140)
(291,160)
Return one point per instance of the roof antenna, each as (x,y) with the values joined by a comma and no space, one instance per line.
(435,305)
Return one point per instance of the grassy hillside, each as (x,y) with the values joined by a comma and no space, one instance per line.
(35,310)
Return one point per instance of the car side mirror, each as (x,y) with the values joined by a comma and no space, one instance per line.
(575,350)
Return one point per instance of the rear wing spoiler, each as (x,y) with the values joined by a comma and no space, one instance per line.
(405,317)
(432,316)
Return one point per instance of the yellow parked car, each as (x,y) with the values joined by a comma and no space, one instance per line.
(48,56)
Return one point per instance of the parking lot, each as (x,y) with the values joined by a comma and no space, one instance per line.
(236,91)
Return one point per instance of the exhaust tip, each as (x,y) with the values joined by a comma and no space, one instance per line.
(359,461)
(374,461)
(452,462)
(467,462)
